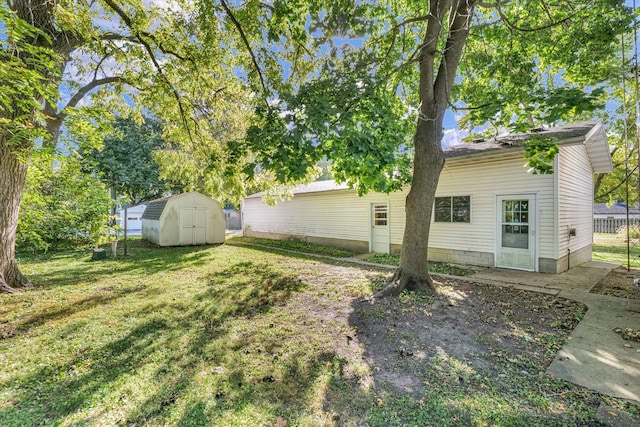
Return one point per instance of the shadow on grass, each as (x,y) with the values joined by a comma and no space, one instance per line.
(185,362)
(52,392)
(307,256)
(24,325)
(77,267)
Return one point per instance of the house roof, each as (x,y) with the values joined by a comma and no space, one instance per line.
(319,186)
(589,133)
(312,187)
(616,208)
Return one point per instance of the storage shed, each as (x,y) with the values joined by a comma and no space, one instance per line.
(183,220)
(489,209)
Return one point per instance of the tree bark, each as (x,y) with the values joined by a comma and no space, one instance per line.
(413,273)
(13,173)
(436,81)
(15,149)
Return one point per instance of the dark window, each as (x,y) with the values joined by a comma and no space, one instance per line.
(453,209)
(380,214)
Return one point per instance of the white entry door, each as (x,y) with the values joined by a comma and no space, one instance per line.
(516,232)
(193,226)
(380,227)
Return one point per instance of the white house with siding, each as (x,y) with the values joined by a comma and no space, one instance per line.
(490,210)
(133,220)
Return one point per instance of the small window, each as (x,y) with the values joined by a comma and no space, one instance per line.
(380,215)
(453,209)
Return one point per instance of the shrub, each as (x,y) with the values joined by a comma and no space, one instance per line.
(62,205)
(634,232)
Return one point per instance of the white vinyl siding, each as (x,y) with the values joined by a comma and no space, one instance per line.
(342,214)
(484,181)
(332,214)
(575,190)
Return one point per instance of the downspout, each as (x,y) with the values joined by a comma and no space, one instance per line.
(570,232)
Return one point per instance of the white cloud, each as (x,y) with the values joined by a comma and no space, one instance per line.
(453,137)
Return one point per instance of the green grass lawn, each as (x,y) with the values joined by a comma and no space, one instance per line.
(613,248)
(292,245)
(168,336)
(229,335)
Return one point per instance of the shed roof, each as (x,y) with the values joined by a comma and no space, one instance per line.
(154,208)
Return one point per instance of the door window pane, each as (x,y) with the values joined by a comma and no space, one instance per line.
(515,229)
(380,215)
(515,237)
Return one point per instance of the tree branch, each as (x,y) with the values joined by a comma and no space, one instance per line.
(83,91)
(622,181)
(99,64)
(117,37)
(394,30)
(479,107)
(486,5)
(514,27)
(428,50)
(245,41)
(122,14)
(460,23)
(396,27)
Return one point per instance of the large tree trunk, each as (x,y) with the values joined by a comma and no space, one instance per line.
(436,81)
(14,154)
(13,174)
(413,273)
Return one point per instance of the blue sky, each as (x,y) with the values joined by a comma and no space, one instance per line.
(452,133)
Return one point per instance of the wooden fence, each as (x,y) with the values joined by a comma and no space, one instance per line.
(234,223)
(612,225)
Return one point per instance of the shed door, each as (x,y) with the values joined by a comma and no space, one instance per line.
(516,233)
(193,226)
(380,228)
(199,226)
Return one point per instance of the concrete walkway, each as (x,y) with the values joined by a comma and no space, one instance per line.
(595,356)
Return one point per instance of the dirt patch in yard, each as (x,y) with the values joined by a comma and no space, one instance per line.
(468,332)
(466,353)
(619,283)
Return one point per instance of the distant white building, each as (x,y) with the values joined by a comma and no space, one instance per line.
(616,211)
(613,219)
(233,218)
(133,217)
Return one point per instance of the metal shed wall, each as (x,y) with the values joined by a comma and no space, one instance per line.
(184,220)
